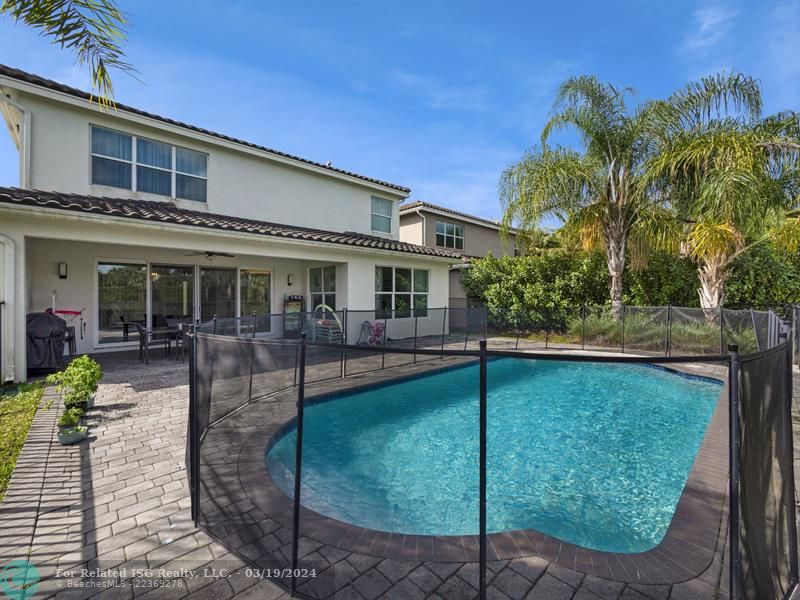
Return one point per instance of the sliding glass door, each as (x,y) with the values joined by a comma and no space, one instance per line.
(160,295)
(217,293)
(121,301)
(171,294)
(254,297)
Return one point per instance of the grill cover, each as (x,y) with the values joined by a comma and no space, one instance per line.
(45,346)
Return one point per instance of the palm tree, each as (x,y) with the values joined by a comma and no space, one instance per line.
(92,29)
(731,177)
(595,191)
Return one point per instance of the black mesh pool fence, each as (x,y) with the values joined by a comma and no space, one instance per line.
(767,517)
(261,485)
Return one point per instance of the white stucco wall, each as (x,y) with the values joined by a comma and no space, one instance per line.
(241,182)
(43,238)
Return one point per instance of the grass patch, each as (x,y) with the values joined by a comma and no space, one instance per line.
(17,410)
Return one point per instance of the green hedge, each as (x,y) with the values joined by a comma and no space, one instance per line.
(551,282)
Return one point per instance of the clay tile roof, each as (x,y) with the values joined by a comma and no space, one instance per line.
(166,212)
(65,89)
(420,204)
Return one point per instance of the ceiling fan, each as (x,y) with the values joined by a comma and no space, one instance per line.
(211,255)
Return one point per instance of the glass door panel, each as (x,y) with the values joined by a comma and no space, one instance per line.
(254,297)
(121,301)
(217,293)
(171,294)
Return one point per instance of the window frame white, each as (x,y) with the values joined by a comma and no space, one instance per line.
(454,236)
(92,154)
(323,292)
(412,293)
(134,163)
(389,217)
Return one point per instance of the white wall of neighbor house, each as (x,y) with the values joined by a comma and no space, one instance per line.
(40,239)
(241,182)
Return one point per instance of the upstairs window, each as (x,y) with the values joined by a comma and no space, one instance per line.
(449,235)
(381,215)
(112,156)
(191,169)
(153,167)
(140,164)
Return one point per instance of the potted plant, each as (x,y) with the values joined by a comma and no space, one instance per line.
(79,398)
(79,380)
(70,430)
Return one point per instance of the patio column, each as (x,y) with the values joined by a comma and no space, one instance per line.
(12,312)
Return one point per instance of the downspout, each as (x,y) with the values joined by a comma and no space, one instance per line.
(424,226)
(23,135)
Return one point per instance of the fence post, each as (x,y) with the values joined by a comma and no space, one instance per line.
(516,344)
(482,483)
(415,336)
(344,342)
(252,368)
(466,321)
(669,329)
(194,438)
(298,459)
(755,329)
(583,327)
(444,326)
(721,331)
(733,461)
(255,320)
(385,340)
(623,329)
(792,512)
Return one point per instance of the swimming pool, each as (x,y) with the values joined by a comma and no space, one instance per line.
(593,454)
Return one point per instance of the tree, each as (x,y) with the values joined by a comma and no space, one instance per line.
(731,177)
(596,191)
(92,29)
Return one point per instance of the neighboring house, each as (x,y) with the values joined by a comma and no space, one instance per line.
(135,218)
(445,229)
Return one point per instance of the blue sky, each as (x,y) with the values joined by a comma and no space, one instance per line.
(437,96)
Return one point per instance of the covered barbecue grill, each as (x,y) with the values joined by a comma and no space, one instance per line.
(45,346)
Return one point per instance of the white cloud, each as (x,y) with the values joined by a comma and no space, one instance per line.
(711,25)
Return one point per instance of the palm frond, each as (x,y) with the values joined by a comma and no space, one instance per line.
(711,241)
(92,29)
(545,182)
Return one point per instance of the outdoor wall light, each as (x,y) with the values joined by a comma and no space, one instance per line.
(62,270)
(290,279)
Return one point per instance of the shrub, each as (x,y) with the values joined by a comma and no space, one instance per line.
(542,285)
(79,379)
(542,288)
(763,278)
(77,398)
(70,417)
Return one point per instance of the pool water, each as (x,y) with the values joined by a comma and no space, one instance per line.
(593,454)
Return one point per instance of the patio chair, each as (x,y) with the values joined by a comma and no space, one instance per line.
(179,325)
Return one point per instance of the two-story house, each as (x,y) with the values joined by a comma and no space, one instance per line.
(128,217)
(448,230)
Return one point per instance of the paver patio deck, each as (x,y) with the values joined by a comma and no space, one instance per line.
(120,501)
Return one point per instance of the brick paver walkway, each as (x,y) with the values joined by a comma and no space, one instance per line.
(120,503)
